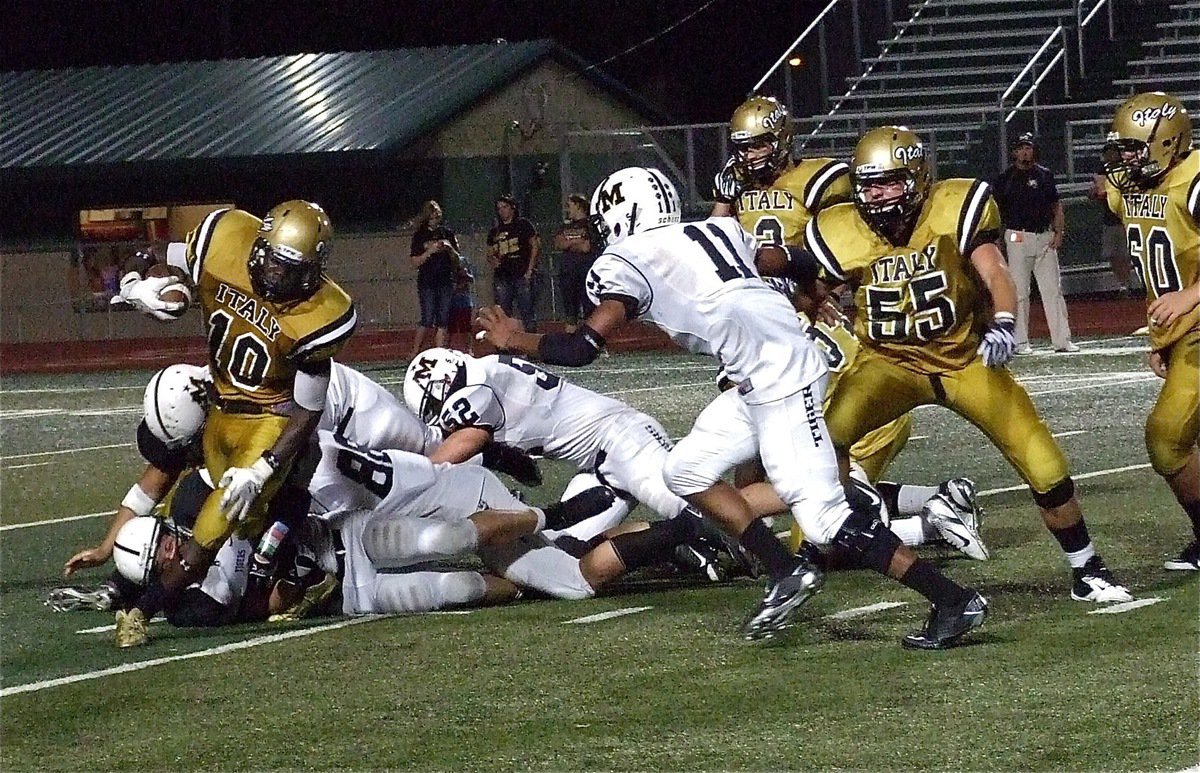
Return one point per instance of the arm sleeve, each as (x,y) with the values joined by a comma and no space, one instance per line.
(612,277)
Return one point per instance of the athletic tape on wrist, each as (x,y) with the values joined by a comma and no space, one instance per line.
(138,501)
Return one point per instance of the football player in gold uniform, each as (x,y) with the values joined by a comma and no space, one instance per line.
(771,194)
(1154,187)
(273,322)
(924,261)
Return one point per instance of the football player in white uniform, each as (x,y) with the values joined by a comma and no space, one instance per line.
(698,283)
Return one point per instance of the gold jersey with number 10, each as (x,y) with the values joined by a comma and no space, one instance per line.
(777,214)
(919,304)
(1162,225)
(255,346)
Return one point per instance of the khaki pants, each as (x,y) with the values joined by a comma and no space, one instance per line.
(1031,253)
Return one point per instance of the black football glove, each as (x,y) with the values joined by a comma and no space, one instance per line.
(1000,341)
(510,460)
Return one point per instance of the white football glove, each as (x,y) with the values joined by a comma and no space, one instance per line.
(242,486)
(142,294)
(1000,341)
(726,185)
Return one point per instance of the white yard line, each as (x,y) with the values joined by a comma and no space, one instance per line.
(143,664)
(849,614)
(68,390)
(1082,476)
(1070,433)
(607,615)
(1116,609)
(1101,385)
(23,466)
(113,627)
(56,520)
(710,383)
(64,451)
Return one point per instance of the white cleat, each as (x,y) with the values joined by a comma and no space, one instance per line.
(1093,582)
(954,515)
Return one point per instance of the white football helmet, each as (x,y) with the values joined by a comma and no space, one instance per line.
(175,403)
(431,377)
(633,200)
(136,546)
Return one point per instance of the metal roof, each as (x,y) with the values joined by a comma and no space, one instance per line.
(307,103)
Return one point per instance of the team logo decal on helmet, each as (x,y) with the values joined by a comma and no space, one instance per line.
(1150,132)
(633,200)
(175,404)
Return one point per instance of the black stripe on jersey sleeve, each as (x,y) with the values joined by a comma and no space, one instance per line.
(1193,199)
(203,239)
(338,330)
(972,212)
(820,249)
(820,182)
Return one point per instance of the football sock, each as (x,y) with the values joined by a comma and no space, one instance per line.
(911,531)
(1193,512)
(910,500)
(776,559)
(926,579)
(890,493)
(1076,543)
(648,546)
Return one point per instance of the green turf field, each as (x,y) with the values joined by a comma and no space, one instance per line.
(1044,685)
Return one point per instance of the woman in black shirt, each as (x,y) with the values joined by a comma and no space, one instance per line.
(434,254)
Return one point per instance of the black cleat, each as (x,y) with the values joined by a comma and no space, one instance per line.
(584,505)
(782,600)
(698,558)
(1187,561)
(737,561)
(947,623)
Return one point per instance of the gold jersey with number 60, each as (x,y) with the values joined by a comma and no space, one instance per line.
(919,303)
(255,346)
(1162,225)
(777,214)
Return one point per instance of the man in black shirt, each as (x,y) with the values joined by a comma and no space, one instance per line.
(1033,223)
(513,250)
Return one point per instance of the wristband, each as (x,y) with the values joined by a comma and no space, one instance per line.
(138,501)
(271,459)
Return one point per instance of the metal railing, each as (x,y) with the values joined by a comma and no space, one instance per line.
(887,47)
(1031,92)
(1081,22)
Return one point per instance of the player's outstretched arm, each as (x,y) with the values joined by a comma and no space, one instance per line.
(141,499)
(571,349)
(999,341)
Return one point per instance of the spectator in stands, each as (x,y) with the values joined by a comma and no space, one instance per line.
(435,255)
(574,240)
(1033,233)
(513,250)
(1114,246)
(462,307)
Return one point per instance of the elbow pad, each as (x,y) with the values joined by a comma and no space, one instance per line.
(571,349)
(311,386)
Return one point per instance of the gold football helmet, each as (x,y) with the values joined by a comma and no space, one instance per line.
(1149,133)
(757,122)
(884,155)
(288,257)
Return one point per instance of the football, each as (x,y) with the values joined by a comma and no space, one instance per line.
(771,260)
(176,293)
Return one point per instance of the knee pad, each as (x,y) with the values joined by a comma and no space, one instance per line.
(1058,495)
(865,538)
(1168,451)
(399,542)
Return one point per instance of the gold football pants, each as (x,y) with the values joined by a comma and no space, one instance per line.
(236,440)
(875,391)
(1174,422)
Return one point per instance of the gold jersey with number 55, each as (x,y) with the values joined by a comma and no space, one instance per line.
(258,336)
(918,303)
